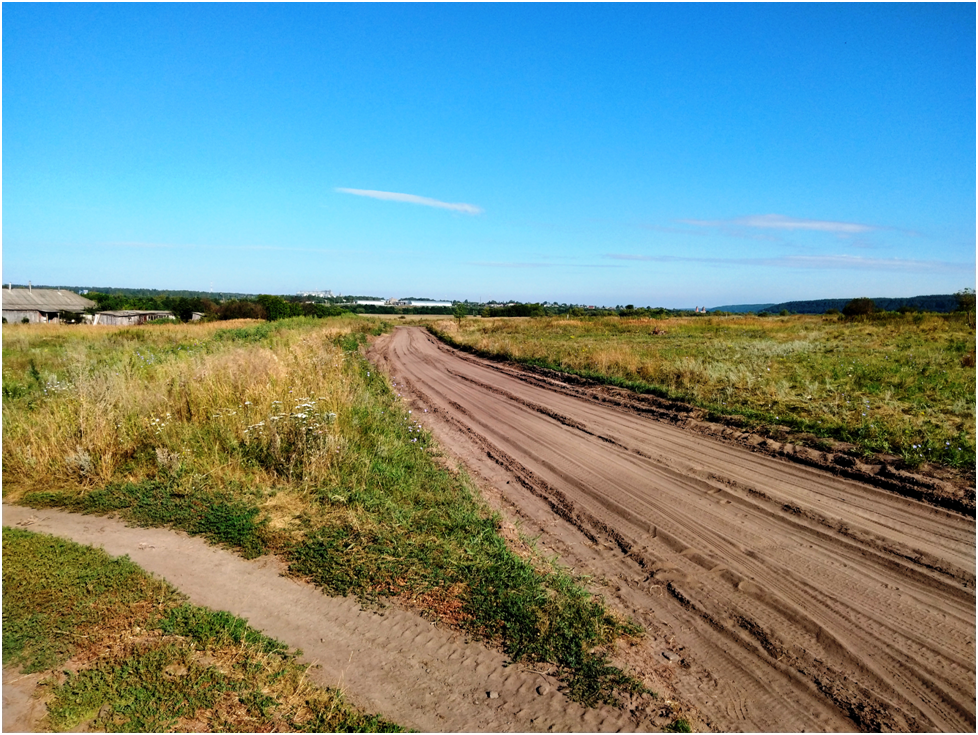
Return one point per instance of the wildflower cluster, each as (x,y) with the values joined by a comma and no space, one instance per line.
(158,424)
(414,427)
(305,417)
(147,359)
(53,385)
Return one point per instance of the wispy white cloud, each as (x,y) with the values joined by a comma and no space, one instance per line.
(191,246)
(814,262)
(488,264)
(392,196)
(780,222)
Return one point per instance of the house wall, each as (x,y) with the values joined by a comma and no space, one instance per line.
(116,321)
(16,316)
(128,320)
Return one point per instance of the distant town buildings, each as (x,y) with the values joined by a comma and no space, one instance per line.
(417,303)
(317,294)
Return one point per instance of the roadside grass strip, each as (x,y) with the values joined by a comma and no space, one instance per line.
(126,654)
(897,384)
(283,439)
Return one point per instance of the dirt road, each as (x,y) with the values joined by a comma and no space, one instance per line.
(798,599)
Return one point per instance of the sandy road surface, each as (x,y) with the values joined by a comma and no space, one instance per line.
(799,600)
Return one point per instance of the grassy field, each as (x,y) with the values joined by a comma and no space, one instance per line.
(279,437)
(145,661)
(904,384)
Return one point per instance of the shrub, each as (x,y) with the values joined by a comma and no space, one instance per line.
(859,307)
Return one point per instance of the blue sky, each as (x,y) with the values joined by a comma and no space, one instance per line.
(663,155)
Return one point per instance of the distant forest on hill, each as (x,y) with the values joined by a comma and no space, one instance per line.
(940,303)
(150,293)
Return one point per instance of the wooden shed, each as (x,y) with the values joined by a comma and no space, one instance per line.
(131,317)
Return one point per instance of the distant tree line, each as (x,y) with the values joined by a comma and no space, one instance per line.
(515,310)
(377,309)
(264,307)
(147,292)
(938,303)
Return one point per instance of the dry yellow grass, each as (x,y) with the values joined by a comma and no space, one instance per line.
(120,404)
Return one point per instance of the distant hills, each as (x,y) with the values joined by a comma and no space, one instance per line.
(941,303)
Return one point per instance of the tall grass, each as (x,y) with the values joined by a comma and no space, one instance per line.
(265,407)
(282,438)
(904,384)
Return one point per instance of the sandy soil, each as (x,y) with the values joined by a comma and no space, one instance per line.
(801,591)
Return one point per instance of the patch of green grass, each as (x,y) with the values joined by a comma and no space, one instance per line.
(145,661)
(219,517)
(55,591)
(678,725)
(136,694)
(245,334)
(215,628)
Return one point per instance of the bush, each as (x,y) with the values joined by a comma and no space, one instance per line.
(858,307)
(241,309)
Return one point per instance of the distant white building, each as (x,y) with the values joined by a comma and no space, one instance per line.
(319,294)
(416,303)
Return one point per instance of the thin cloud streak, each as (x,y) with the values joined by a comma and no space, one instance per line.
(391,196)
(813,262)
(780,222)
(180,246)
(487,264)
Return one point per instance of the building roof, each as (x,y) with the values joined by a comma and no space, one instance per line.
(137,312)
(44,299)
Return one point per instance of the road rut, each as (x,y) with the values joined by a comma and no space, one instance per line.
(798,599)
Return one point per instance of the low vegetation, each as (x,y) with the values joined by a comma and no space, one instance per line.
(279,437)
(895,383)
(126,654)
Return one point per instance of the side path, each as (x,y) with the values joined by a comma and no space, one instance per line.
(394,663)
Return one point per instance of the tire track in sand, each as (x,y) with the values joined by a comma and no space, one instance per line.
(801,599)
